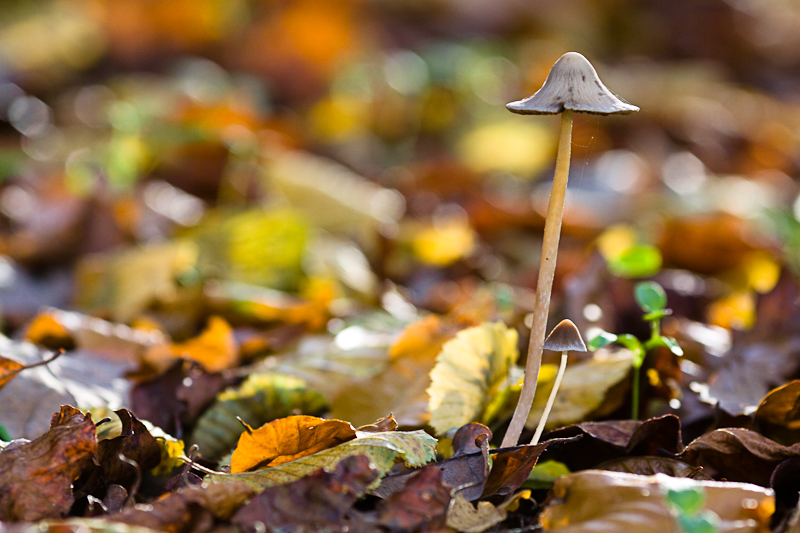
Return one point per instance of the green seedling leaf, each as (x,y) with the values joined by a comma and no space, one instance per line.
(544,474)
(629,341)
(664,342)
(604,338)
(650,296)
(639,261)
(657,315)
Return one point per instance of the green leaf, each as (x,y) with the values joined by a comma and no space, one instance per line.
(657,315)
(629,341)
(672,345)
(650,296)
(414,448)
(604,338)
(638,261)
(544,474)
(469,369)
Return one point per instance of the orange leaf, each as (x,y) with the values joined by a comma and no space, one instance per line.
(215,348)
(45,329)
(8,370)
(287,439)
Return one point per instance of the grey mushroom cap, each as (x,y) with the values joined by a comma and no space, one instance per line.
(565,337)
(572,84)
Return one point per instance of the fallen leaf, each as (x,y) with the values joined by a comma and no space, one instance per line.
(584,390)
(738,455)
(613,439)
(261,398)
(401,387)
(134,443)
(37,476)
(467,371)
(510,468)
(781,406)
(128,282)
(175,399)
(287,439)
(189,509)
(465,518)
(8,370)
(594,500)
(423,502)
(465,472)
(649,465)
(319,501)
(215,348)
(414,448)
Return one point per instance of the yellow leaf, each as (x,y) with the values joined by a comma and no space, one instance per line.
(465,518)
(467,369)
(414,448)
(444,243)
(515,146)
(401,388)
(287,439)
(583,389)
(215,349)
(46,330)
(615,502)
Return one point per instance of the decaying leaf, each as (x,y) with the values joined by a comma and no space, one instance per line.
(594,500)
(287,439)
(584,390)
(424,501)
(134,443)
(648,465)
(262,397)
(215,348)
(466,518)
(414,448)
(738,455)
(511,467)
(36,477)
(320,501)
(191,508)
(401,387)
(467,371)
(613,439)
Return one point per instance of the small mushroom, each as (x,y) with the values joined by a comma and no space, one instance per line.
(571,86)
(564,337)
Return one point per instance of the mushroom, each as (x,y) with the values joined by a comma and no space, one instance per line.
(564,337)
(571,86)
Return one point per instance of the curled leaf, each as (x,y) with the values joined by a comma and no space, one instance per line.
(287,439)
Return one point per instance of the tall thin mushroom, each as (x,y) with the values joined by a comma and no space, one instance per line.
(571,86)
(564,337)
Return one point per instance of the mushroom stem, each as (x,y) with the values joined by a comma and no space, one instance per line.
(544,287)
(551,400)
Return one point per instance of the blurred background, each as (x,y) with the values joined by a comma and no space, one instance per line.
(165,159)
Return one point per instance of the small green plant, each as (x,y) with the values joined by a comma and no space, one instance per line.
(653,300)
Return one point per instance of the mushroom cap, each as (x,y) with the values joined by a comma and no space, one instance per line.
(572,84)
(564,337)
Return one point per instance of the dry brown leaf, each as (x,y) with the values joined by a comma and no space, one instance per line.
(8,370)
(36,477)
(215,348)
(287,439)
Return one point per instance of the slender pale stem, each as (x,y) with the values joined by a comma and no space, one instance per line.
(544,288)
(551,400)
